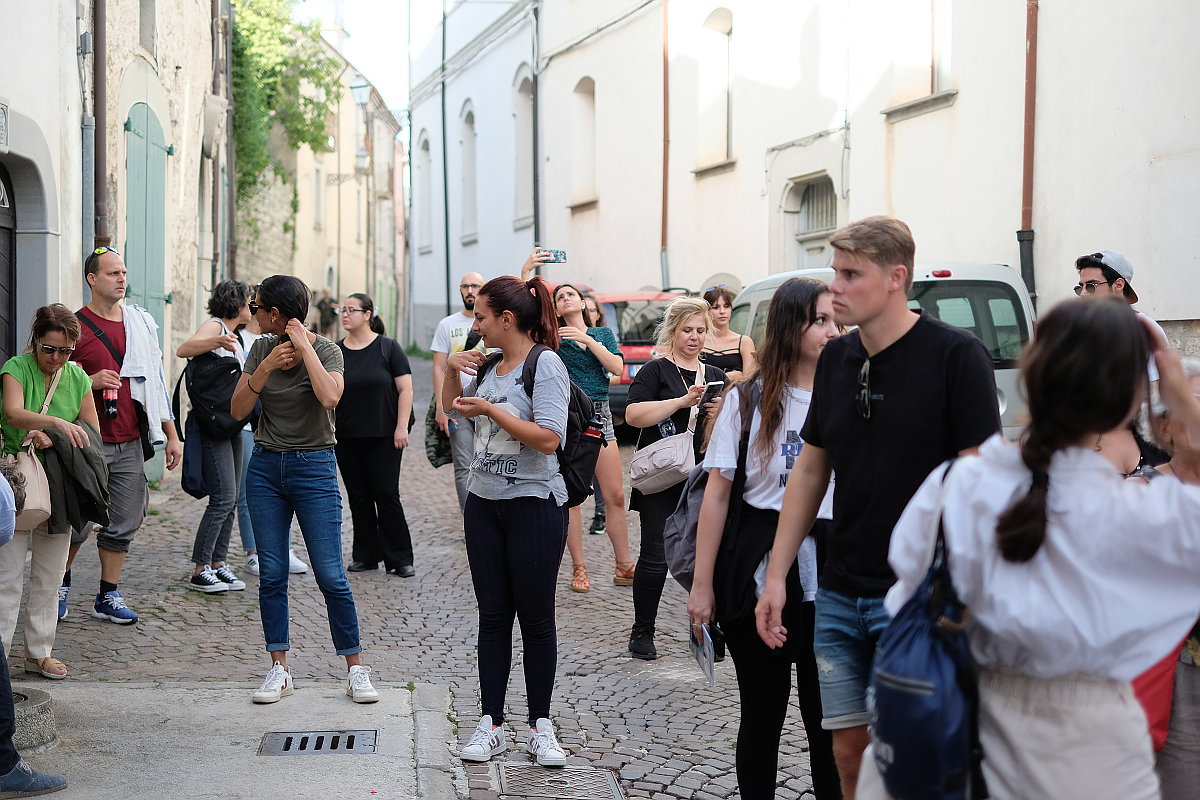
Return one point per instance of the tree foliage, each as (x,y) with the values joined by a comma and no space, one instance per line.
(282,75)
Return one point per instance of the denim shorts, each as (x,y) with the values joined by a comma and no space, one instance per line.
(844,638)
(604,413)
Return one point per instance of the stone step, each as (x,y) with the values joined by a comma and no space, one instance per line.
(35,729)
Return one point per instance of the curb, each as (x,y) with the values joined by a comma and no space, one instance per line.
(433,732)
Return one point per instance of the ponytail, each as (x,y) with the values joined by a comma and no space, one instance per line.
(1021,529)
(368,305)
(529,302)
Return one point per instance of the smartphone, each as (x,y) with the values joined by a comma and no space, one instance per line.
(712,390)
(556,256)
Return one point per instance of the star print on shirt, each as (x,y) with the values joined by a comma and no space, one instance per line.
(791,447)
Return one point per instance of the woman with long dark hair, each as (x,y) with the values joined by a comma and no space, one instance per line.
(661,399)
(228,309)
(373,420)
(590,354)
(297,375)
(1076,579)
(799,323)
(516,514)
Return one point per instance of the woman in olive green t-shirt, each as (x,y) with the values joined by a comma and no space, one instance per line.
(26,381)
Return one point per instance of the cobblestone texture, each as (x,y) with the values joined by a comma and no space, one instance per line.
(655,723)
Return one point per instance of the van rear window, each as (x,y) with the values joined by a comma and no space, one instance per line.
(987,309)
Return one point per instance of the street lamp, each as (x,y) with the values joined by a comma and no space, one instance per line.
(360,90)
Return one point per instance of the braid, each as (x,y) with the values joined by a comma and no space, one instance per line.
(1021,529)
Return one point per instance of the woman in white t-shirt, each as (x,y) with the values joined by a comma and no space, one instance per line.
(799,323)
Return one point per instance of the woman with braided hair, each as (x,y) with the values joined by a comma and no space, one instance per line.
(1076,579)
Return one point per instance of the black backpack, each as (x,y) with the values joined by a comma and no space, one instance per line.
(577,457)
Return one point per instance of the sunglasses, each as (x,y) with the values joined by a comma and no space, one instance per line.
(1089,287)
(864,390)
(99,251)
(255,308)
(714,286)
(50,350)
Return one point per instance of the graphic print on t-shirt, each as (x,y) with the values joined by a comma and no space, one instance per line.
(496,450)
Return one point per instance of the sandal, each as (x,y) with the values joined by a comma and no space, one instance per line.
(47,667)
(623,574)
(579,579)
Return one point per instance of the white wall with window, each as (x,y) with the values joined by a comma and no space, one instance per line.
(583,142)
(468,219)
(523,148)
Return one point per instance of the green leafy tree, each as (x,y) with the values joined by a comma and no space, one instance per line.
(282,75)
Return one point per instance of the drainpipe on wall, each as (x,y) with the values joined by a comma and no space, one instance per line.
(662,255)
(214,161)
(230,149)
(100,107)
(445,172)
(533,99)
(87,136)
(1025,235)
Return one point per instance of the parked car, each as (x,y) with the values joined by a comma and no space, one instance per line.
(632,316)
(989,300)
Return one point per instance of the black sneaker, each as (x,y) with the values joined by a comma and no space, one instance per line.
(597,525)
(207,581)
(641,645)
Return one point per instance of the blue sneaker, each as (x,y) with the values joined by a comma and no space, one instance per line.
(25,781)
(63,591)
(111,606)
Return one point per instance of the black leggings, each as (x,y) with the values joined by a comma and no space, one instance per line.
(651,573)
(764,682)
(515,548)
(371,471)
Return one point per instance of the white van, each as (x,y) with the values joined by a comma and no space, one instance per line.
(989,300)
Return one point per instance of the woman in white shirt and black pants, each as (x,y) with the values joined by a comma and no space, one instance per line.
(799,323)
(1076,579)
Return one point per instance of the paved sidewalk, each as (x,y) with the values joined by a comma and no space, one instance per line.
(199,657)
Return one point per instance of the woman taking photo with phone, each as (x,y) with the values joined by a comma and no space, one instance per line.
(727,350)
(661,399)
(590,354)
(28,379)
(373,419)
(516,514)
(297,375)
(799,323)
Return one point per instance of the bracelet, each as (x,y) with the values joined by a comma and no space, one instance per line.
(251,388)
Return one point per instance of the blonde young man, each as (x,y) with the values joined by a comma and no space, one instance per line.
(891,401)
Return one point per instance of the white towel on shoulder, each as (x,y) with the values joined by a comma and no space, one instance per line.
(143,367)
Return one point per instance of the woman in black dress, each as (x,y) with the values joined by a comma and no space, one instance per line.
(728,351)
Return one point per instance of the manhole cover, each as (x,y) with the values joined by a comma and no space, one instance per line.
(317,743)
(568,783)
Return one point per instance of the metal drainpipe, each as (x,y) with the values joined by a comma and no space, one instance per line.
(214,161)
(533,99)
(1025,235)
(230,150)
(445,173)
(100,109)
(662,255)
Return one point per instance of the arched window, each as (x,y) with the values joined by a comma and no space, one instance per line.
(583,140)
(424,182)
(714,105)
(812,205)
(523,155)
(470,224)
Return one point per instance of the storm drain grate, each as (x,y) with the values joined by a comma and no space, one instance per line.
(317,743)
(568,783)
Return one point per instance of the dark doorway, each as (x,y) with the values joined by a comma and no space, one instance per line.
(8,267)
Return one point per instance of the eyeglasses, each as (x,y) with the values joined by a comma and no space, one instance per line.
(1089,287)
(50,350)
(470,286)
(345,312)
(864,390)
(99,251)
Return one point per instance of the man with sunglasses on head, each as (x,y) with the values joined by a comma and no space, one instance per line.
(454,335)
(891,401)
(1107,273)
(118,348)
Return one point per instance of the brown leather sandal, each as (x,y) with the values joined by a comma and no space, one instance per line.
(579,579)
(47,667)
(623,573)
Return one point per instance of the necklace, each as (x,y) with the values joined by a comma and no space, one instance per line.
(679,369)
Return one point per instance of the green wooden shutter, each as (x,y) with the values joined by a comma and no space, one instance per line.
(145,211)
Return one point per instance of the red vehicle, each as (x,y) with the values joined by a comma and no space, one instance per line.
(632,316)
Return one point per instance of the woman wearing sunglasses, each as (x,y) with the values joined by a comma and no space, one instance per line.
(297,375)
(45,370)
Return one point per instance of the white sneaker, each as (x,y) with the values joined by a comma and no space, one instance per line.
(207,581)
(252,564)
(295,565)
(485,742)
(358,686)
(225,574)
(544,746)
(277,684)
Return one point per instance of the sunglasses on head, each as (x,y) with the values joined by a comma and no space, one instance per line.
(50,350)
(99,251)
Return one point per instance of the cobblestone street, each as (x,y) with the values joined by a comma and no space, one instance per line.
(656,723)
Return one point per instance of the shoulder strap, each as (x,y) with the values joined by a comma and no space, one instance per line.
(483,370)
(50,391)
(529,368)
(104,340)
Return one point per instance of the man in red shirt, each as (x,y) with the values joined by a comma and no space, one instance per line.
(118,340)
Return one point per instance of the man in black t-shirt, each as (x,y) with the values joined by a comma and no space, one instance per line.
(891,401)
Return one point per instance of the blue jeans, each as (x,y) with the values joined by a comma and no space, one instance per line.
(844,638)
(245,526)
(304,484)
(222,472)
(8,719)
